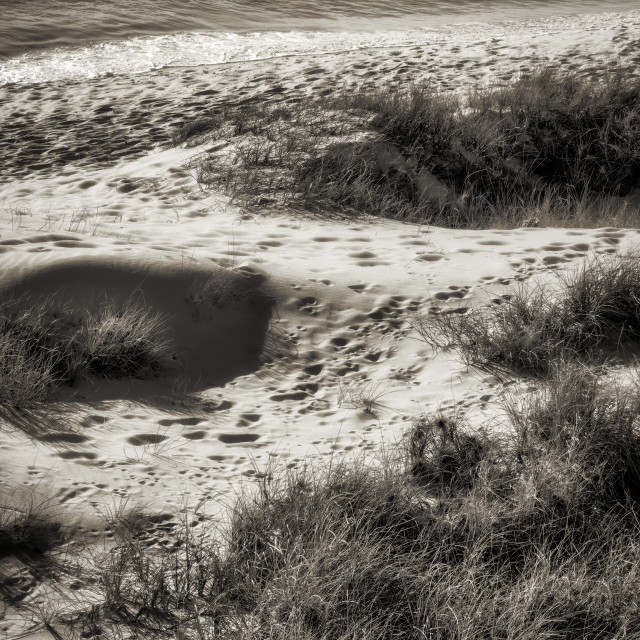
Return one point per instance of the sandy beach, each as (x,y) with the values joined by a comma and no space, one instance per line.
(317,356)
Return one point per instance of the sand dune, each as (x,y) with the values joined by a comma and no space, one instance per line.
(312,351)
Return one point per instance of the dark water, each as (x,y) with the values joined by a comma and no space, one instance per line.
(54,38)
(32,24)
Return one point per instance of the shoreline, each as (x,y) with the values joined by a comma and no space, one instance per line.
(109,119)
(100,60)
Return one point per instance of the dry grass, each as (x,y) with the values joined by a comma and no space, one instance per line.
(126,342)
(551,148)
(44,345)
(589,312)
(363,394)
(530,534)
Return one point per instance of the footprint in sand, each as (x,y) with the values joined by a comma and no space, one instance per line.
(553,260)
(186,422)
(75,455)
(292,395)
(143,439)
(372,263)
(363,255)
(247,419)
(194,435)
(458,310)
(415,243)
(446,295)
(75,244)
(66,496)
(90,421)
(308,305)
(223,405)
(67,438)
(359,288)
(429,257)
(491,243)
(377,314)
(238,438)
(611,239)
(314,369)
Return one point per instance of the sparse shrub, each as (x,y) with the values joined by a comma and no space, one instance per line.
(549,127)
(588,432)
(527,534)
(573,131)
(121,342)
(550,147)
(44,344)
(592,310)
(443,453)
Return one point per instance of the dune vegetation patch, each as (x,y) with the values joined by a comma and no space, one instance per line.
(527,532)
(126,342)
(31,536)
(44,345)
(584,313)
(550,148)
(28,527)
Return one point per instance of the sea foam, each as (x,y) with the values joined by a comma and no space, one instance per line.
(146,53)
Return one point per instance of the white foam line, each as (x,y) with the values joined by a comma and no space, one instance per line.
(142,54)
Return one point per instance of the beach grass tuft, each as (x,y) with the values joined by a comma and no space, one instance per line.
(551,148)
(526,532)
(122,342)
(589,312)
(44,344)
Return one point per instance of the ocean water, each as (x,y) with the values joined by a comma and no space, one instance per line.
(42,40)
